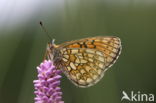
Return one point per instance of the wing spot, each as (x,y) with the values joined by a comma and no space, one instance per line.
(65,52)
(81,81)
(83,61)
(101,58)
(116,46)
(64,59)
(90,51)
(64,49)
(116,42)
(78,75)
(69,51)
(90,55)
(66,56)
(112,54)
(99,71)
(109,59)
(79,56)
(76,64)
(74,51)
(77,61)
(95,77)
(93,72)
(88,68)
(89,80)
(72,65)
(82,71)
(69,68)
(114,50)
(101,65)
(106,39)
(110,48)
(99,53)
(72,58)
(91,60)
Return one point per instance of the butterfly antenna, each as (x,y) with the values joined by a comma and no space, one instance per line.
(44,29)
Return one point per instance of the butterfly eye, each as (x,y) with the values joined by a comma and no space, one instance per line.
(50,46)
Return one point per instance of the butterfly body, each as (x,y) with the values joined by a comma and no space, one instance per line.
(85,61)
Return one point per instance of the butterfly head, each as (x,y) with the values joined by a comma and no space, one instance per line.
(53,52)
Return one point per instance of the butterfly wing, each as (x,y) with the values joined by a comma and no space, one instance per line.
(86,60)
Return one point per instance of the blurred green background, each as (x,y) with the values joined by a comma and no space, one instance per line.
(23,44)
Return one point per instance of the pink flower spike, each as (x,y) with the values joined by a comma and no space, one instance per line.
(47,87)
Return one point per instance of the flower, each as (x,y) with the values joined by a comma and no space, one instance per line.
(47,88)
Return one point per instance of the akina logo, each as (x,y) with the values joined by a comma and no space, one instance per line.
(137,96)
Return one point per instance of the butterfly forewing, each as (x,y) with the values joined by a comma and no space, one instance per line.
(84,61)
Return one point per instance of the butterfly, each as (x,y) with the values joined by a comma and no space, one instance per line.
(85,61)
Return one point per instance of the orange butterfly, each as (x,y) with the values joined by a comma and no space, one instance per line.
(85,61)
